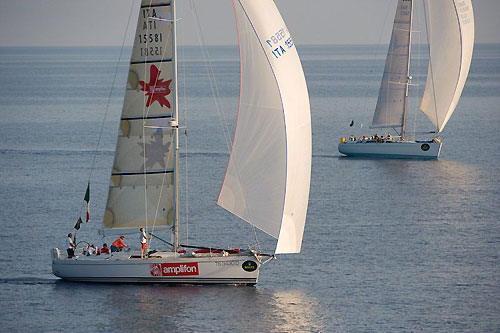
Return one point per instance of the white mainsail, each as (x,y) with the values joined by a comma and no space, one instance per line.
(389,111)
(451,41)
(141,191)
(268,175)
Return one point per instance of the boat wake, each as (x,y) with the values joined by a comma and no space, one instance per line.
(28,281)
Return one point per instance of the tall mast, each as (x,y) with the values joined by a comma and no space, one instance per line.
(175,126)
(408,77)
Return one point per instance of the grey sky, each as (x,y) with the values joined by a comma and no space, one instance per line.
(102,22)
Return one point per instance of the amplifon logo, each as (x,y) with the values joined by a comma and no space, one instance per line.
(180,269)
(156,89)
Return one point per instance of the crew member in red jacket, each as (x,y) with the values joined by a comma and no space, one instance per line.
(118,245)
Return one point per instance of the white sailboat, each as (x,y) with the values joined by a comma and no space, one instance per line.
(450,30)
(268,174)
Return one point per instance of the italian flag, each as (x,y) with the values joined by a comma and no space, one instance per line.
(87,199)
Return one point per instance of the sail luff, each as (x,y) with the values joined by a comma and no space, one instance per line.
(451,41)
(268,173)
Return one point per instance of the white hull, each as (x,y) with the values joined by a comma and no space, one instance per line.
(392,149)
(165,267)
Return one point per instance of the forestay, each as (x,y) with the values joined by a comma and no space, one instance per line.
(268,175)
(391,98)
(141,187)
(451,41)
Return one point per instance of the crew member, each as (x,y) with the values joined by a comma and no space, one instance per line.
(144,241)
(118,245)
(70,246)
(104,249)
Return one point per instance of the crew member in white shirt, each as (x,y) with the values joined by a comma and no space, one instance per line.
(144,242)
(70,246)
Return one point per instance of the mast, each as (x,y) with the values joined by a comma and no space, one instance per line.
(408,77)
(175,126)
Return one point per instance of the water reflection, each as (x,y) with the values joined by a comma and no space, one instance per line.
(193,308)
(261,310)
(413,190)
(147,307)
(294,311)
(460,191)
(447,186)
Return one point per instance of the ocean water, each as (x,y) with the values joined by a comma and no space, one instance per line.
(389,245)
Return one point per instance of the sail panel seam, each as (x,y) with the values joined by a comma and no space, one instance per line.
(148,117)
(133,173)
(165,4)
(151,61)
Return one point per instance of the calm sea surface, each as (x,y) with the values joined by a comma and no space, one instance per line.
(389,245)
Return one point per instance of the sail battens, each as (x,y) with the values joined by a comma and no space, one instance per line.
(387,126)
(151,61)
(156,5)
(147,172)
(127,208)
(156,116)
(141,189)
(393,54)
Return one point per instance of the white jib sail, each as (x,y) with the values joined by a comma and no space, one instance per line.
(141,188)
(451,40)
(268,175)
(391,97)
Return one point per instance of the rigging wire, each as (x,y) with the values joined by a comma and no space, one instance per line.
(109,99)
(217,98)
(184,114)
(376,53)
(418,71)
(390,56)
(161,191)
(211,76)
(146,110)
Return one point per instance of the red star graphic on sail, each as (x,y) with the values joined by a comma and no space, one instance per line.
(157,89)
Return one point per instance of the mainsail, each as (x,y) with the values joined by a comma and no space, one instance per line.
(268,175)
(451,41)
(141,191)
(391,98)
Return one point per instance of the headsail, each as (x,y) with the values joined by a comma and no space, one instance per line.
(391,98)
(141,187)
(268,175)
(451,41)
